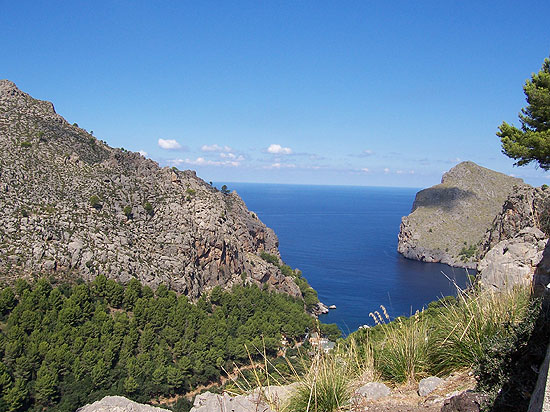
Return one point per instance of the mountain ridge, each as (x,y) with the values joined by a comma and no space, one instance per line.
(72,205)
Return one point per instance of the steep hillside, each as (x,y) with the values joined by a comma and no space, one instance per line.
(448,221)
(72,205)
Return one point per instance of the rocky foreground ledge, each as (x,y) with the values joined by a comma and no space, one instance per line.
(449,221)
(431,394)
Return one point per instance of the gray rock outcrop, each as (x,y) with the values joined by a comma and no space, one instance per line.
(118,404)
(448,221)
(72,205)
(522,259)
(428,385)
(373,391)
(525,207)
(211,402)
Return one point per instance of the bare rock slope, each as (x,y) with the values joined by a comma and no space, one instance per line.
(449,221)
(70,204)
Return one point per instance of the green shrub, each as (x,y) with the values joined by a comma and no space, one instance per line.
(497,361)
(466,253)
(95,202)
(190,192)
(270,258)
(128,211)
(148,208)
(26,145)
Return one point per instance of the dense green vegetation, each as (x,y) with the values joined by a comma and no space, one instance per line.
(62,346)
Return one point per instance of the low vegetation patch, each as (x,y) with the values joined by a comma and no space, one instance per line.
(478,330)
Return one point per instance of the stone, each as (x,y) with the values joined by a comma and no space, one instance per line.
(211,402)
(118,404)
(373,391)
(468,401)
(428,385)
(278,395)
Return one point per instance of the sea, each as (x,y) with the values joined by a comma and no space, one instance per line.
(344,240)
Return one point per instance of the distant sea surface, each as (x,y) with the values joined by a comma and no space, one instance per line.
(344,240)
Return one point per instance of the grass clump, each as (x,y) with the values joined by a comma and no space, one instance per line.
(465,329)
(403,354)
(331,379)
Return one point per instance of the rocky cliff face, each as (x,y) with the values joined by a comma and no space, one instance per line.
(72,205)
(515,249)
(525,207)
(523,259)
(448,221)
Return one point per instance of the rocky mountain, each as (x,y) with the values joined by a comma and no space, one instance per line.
(70,205)
(449,221)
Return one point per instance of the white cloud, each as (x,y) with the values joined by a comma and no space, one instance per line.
(399,172)
(365,169)
(201,161)
(232,156)
(281,166)
(386,170)
(143,153)
(411,172)
(216,148)
(278,149)
(169,144)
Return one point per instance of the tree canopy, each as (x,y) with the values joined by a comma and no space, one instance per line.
(531,143)
(62,346)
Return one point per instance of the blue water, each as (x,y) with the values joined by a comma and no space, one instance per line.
(344,240)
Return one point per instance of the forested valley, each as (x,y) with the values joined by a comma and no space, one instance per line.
(65,345)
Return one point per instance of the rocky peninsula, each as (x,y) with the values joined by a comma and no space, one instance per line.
(448,222)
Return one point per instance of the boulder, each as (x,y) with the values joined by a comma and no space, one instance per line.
(211,402)
(515,261)
(119,404)
(468,401)
(373,391)
(428,385)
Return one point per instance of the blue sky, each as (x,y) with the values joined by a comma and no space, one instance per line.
(363,93)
